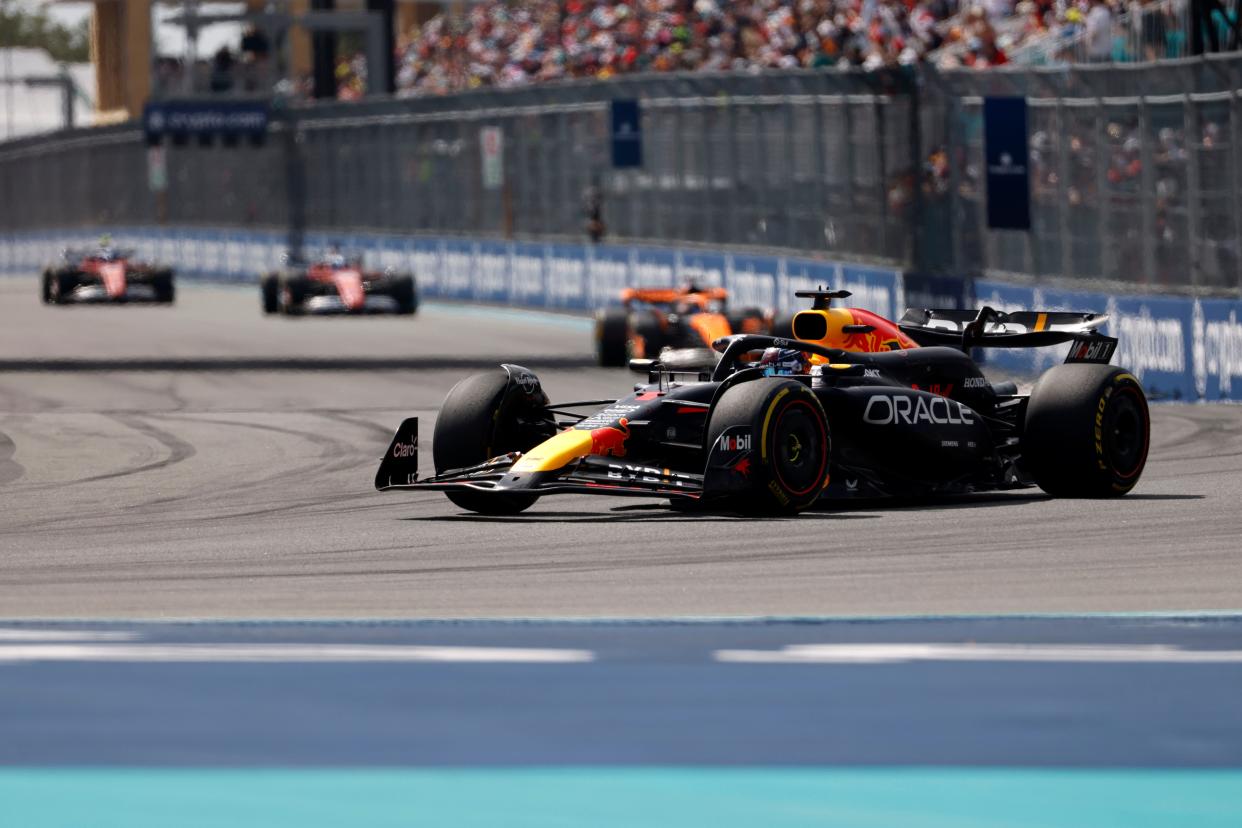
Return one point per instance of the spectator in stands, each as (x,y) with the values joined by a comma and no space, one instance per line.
(1099,32)
(222,70)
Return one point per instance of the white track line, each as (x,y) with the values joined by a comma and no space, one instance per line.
(66,635)
(277,653)
(896,653)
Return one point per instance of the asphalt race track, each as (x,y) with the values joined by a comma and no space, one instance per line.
(205,461)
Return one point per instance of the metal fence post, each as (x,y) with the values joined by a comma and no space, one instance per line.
(881,139)
(789,236)
(1194,192)
(295,182)
(1102,193)
(1235,146)
(821,174)
(1147,233)
(1064,225)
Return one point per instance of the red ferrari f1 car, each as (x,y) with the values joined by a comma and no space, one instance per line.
(336,283)
(106,274)
(855,406)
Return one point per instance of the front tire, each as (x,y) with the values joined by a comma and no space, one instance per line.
(46,287)
(1087,431)
(791,447)
(404,293)
(164,286)
(471,429)
(269,288)
(293,293)
(612,337)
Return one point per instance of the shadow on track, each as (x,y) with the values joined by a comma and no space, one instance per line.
(273,364)
(653,513)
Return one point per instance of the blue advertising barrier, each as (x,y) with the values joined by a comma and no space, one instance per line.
(1180,348)
(1160,340)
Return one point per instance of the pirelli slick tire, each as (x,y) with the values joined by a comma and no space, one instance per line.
(648,337)
(471,429)
(59,286)
(269,289)
(612,337)
(404,293)
(293,294)
(1087,431)
(791,445)
(164,286)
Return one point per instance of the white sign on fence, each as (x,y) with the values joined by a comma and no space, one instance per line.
(492,143)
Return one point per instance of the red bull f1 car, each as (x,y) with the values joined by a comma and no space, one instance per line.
(106,274)
(336,283)
(855,407)
(678,325)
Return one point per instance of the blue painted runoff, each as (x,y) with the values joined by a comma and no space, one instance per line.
(609,797)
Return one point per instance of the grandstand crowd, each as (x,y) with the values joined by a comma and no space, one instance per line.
(499,43)
(506,43)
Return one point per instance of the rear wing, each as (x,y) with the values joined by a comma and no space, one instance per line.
(991,328)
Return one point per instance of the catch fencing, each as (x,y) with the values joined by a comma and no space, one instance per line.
(1136,172)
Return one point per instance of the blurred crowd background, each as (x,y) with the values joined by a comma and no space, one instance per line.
(505,43)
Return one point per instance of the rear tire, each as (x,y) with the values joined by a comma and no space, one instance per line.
(293,294)
(648,335)
(612,337)
(471,429)
(164,286)
(403,291)
(791,446)
(61,286)
(269,288)
(1087,431)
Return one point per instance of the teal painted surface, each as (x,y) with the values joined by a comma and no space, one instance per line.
(607,797)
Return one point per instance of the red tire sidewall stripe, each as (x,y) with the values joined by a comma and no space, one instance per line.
(817,417)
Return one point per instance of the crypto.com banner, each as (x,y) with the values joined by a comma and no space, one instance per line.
(1180,348)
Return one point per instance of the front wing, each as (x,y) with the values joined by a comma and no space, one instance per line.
(585,475)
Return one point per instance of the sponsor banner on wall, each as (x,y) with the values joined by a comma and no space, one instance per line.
(653,267)
(565,273)
(1179,348)
(608,272)
(457,269)
(1154,332)
(1216,349)
(700,267)
(751,281)
(526,263)
(491,277)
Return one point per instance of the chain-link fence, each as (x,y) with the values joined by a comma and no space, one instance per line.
(1135,170)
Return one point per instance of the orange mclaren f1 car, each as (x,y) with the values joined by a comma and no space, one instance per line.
(678,325)
(855,406)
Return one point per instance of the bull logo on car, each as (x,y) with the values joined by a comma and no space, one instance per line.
(609,441)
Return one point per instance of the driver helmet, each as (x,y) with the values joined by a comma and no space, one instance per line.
(782,362)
